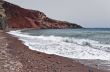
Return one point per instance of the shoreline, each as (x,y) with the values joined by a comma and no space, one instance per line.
(27,60)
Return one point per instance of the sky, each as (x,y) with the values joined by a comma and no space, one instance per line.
(87,13)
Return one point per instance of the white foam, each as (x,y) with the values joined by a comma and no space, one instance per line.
(65,46)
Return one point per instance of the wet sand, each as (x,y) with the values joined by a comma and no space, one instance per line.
(16,57)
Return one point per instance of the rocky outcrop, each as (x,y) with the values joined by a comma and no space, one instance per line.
(3,24)
(24,18)
(2,10)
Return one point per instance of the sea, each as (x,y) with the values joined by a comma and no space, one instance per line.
(85,43)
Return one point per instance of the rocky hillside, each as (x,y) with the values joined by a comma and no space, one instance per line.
(24,18)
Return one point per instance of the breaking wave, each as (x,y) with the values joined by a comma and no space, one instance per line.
(65,46)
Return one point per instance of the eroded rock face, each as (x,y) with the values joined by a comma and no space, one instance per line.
(3,24)
(23,18)
(2,10)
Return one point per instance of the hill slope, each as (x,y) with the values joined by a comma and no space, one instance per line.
(24,18)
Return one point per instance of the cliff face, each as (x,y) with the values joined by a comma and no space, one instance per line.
(18,17)
(3,24)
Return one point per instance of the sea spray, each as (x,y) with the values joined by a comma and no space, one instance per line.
(70,47)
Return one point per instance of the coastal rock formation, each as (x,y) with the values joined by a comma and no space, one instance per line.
(3,24)
(2,10)
(18,17)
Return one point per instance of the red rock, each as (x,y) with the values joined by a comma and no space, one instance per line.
(24,18)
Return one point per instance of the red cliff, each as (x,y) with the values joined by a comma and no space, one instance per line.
(24,18)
